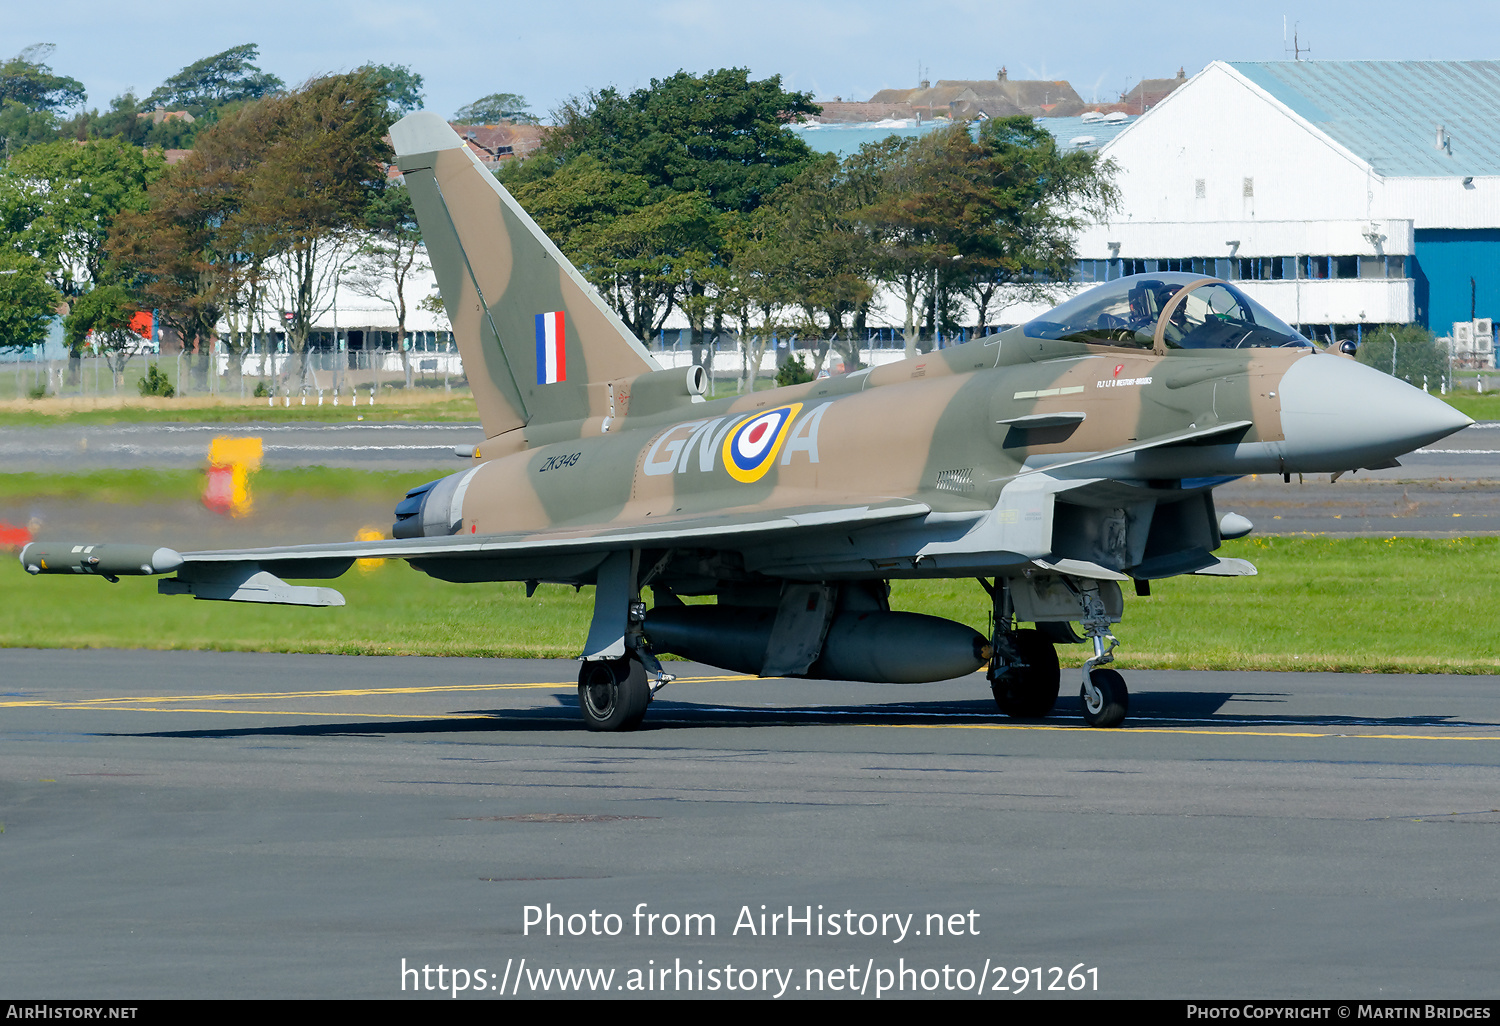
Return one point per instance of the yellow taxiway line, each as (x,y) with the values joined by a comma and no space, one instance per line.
(133,703)
(171,703)
(1215,732)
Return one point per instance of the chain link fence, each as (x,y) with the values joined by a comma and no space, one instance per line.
(330,376)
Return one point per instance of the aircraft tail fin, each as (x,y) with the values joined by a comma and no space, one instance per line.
(532,332)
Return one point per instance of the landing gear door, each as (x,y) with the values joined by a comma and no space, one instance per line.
(1024,514)
(1043,598)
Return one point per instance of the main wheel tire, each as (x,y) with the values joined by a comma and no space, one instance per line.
(613,694)
(1029,692)
(1109,707)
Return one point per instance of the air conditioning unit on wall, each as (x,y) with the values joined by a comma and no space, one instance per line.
(1484,335)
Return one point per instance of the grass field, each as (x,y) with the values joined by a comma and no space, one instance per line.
(418,406)
(135,487)
(1367,605)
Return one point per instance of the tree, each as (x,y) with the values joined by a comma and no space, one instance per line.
(1032,201)
(901,232)
(813,244)
(695,152)
(176,256)
(100,320)
(224,78)
(720,134)
(1418,357)
(119,121)
(27,302)
(634,250)
(129,120)
(387,257)
(757,290)
(208,90)
(401,87)
(648,256)
(32,97)
(21,127)
(320,161)
(794,372)
(261,213)
(984,215)
(576,198)
(59,200)
(24,79)
(494,108)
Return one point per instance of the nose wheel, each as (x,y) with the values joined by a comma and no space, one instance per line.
(1105,698)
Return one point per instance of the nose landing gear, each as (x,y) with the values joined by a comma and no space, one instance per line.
(1023,672)
(1104,696)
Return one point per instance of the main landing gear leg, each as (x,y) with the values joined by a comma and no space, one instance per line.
(1104,696)
(1023,672)
(619,676)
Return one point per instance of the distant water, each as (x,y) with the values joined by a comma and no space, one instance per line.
(847,138)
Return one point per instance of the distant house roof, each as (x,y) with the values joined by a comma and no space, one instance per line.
(495,144)
(161,114)
(840,111)
(1405,118)
(997,97)
(1148,92)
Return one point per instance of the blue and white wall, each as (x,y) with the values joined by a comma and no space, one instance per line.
(1223,169)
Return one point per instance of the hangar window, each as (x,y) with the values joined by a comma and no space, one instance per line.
(1091,271)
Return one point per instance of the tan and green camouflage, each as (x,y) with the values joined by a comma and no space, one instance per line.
(1051,468)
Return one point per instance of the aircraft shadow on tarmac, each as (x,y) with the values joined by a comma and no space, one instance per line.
(1148,709)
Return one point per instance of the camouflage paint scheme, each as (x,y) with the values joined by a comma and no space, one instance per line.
(1055,468)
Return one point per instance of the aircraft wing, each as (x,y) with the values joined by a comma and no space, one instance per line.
(255,575)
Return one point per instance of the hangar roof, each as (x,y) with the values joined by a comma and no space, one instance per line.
(1406,118)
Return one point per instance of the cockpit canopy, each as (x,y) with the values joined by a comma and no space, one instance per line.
(1184,311)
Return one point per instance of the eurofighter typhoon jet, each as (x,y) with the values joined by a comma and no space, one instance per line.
(1053,462)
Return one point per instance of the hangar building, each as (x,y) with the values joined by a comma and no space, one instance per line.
(1342,194)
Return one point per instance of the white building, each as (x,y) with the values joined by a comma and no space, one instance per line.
(1342,194)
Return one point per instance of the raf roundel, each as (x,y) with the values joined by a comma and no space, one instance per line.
(752,446)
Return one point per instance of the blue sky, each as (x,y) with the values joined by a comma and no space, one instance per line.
(550,51)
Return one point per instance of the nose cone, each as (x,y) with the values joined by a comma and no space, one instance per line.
(1340,415)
